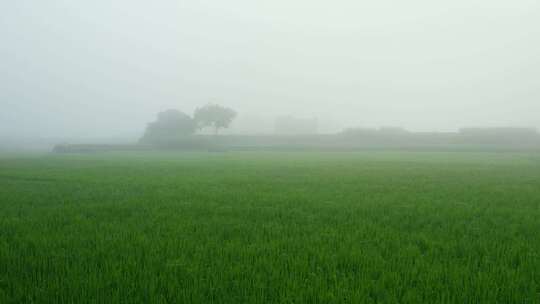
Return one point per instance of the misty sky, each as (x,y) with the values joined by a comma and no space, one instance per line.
(105,67)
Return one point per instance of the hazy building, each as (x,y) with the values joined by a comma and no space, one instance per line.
(504,132)
(290,125)
(515,136)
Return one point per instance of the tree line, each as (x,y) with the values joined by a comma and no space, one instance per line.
(172,123)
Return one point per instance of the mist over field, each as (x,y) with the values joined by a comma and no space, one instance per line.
(103,69)
(254,151)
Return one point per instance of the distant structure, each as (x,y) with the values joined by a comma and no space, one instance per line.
(382,131)
(289,125)
(509,132)
(393,130)
(499,135)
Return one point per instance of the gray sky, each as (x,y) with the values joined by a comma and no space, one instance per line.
(105,67)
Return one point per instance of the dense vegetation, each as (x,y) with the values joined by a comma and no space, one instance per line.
(173,126)
(270,228)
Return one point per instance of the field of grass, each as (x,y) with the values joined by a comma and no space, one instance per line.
(372,227)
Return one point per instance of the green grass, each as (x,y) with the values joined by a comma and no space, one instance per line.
(270,228)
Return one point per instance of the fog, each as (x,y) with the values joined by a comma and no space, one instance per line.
(104,68)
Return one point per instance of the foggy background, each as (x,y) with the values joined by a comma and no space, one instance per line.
(104,68)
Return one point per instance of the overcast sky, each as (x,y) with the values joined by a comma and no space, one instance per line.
(105,67)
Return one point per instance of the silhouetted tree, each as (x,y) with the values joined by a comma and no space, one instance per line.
(170,124)
(215,116)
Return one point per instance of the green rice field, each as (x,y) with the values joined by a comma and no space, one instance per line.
(270,227)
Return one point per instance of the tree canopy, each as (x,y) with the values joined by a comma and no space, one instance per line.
(214,116)
(170,124)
